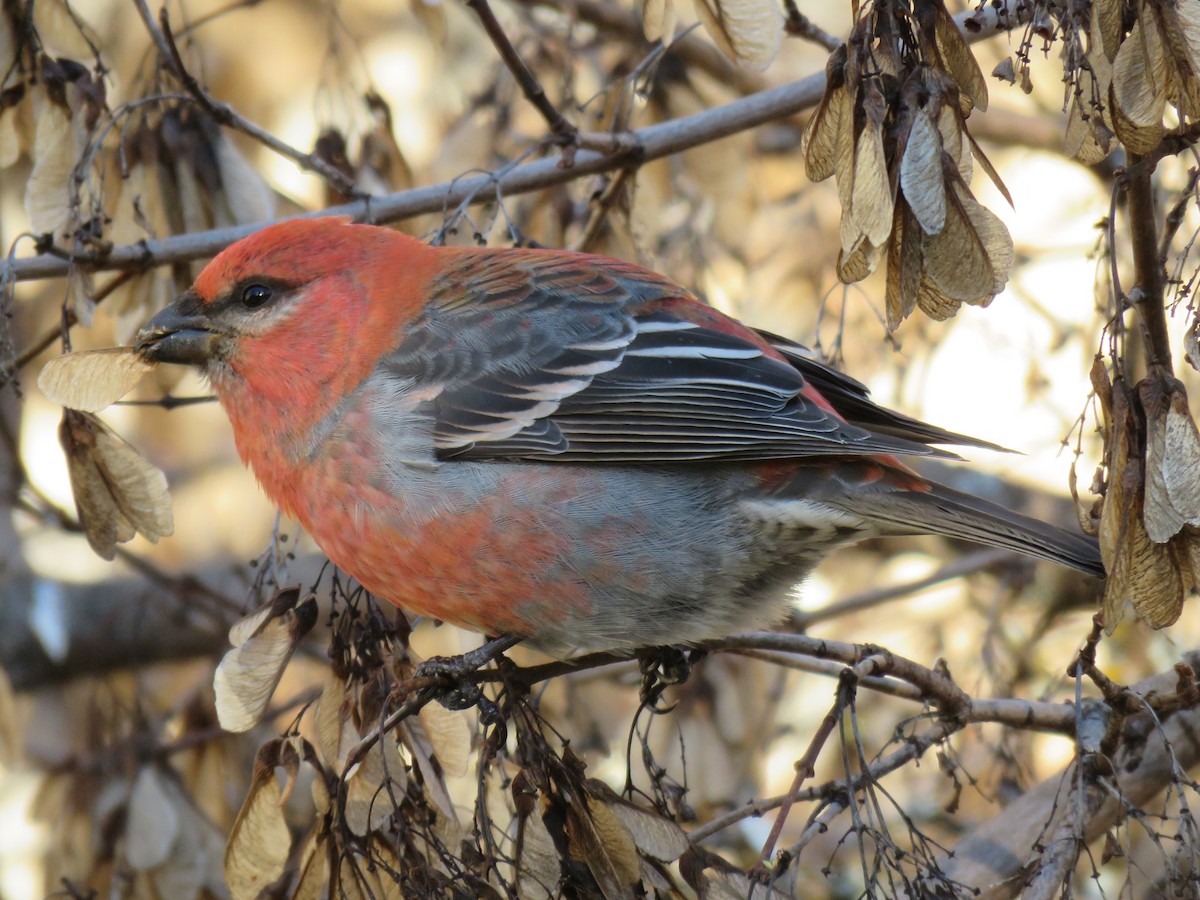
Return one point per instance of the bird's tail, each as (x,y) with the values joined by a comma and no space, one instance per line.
(945,511)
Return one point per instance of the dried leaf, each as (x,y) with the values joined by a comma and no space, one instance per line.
(153,821)
(749,31)
(117,493)
(259,841)
(1172,458)
(921,176)
(263,643)
(92,379)
(658,20)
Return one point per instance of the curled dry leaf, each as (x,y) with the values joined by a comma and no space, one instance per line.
(259,842)
(92,379)
(262,645)
(117,492)
(749,31)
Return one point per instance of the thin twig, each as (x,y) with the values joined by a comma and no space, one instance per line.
(799,25)
(530,86)
(223,114)
(652,142)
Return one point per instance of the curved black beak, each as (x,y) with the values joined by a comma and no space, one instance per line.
(178,334)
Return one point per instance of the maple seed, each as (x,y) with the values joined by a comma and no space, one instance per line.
(92,379)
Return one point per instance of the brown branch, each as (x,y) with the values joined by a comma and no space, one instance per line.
(653,142)
(1148,293)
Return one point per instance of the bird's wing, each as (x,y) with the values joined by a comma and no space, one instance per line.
(551,355)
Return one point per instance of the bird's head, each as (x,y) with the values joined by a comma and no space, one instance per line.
(282,283)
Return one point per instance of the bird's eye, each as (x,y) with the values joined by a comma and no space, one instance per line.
(255,295)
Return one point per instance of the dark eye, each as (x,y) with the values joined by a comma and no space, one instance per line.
(255,295)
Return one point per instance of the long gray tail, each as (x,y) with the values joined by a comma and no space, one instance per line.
(948,512)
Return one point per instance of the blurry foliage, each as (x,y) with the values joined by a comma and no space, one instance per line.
(322,760)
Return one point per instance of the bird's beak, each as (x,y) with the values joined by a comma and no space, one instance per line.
(178,334)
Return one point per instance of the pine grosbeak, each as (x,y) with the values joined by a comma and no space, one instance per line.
(558,446)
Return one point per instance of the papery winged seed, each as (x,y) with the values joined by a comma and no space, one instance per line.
(934,303)
(55,152)
(905,258)
(92,379)
(1140,75)
(921,176)
(827,136)
(656,835)
(1140,139)
(871,194)
(1172,498)
(1189,21)
(246,195)
(956,259)
(259,842)
(597,836)
(750,31)
(959,60)
(249,673)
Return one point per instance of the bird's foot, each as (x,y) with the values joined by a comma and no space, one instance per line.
(452,671)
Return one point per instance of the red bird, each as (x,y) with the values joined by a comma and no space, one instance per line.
(562,447)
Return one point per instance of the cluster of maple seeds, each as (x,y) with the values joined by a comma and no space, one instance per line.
(891,127)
